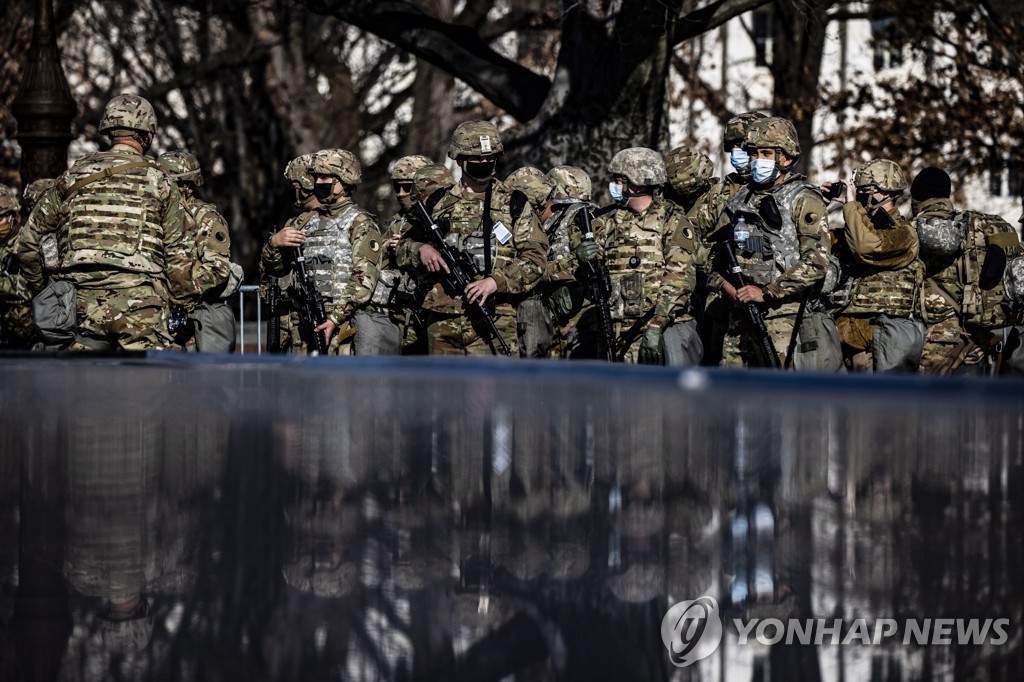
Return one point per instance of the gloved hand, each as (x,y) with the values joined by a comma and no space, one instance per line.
(586,251)
(561,302)
(650,348)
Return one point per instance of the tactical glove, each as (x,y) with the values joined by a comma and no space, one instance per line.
(586,251)
(650,348)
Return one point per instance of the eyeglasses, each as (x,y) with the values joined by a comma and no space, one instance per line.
(402,187)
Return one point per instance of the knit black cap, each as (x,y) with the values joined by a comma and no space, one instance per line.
(931,183)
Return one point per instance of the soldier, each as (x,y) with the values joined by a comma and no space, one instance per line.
(15,301)
(736,130)
(342,249)
(693,187)
(33,193)
(213,327)
(120,242)
(878,251)
(280,332)
(650,249)
(498,230)
(948,247)
(536,328)
(429,179)
(397,288)
(565,295)
(777,227)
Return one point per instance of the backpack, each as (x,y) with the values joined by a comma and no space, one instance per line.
(989,243)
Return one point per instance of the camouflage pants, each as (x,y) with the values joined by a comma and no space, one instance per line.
(946,345)
(134,318)
(470,335)
(738,348)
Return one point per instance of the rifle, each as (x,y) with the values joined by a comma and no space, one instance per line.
(273,316)
(312,312)
(599,289)
(462,271)
(766,349)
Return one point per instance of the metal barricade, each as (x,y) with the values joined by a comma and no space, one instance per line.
(242,291)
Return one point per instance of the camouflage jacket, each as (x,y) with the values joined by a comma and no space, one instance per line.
(882,263)
(121,231)
(397,286)
(792,268)
(564,234)
(519,250)
(212,243)
(941,238)
(15,298)
(345,267)
(652,261)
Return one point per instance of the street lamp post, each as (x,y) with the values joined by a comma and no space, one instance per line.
(44,107)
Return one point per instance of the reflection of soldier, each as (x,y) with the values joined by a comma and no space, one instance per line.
(650,248)
(779,228)
(213,273)
(15,309)
(397,288)
(343,252)
(878,324)
(125,271)
(498,229)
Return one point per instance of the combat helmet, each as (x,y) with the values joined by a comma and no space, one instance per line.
(36,189)
(297,170)
(736,128)
(128,112)
(572,184)
(475,139)
(880,175)
(429,179)
(405,168)
(688,170)
(181,167)
(8,200)
(337,163)
(774,132)
(640,165)
(534,183)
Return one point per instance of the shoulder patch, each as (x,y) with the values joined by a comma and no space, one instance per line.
(374,245)
(220,236)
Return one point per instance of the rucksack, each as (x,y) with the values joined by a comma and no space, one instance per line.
(990,242)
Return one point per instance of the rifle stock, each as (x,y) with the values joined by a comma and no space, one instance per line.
(461,270)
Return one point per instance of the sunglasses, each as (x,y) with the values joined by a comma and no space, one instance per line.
(402,187)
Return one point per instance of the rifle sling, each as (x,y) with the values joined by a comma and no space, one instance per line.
(488,228)
(103,174)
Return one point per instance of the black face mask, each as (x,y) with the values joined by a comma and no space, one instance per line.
(323,190)
(479,170)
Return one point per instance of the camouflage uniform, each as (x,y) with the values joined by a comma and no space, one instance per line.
(536,323)
(343,255)
(518,252)
(15,300)
(119,238)
(652,259)
(786,253)
(211,256)
(396,287)
(33,193)
(881,270)
(564,294)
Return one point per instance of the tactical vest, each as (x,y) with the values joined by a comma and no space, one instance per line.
(989,244)
(558,229)
(773,246)
(941,235)
(114,222)
(466,231)
(328,251)
(635,257)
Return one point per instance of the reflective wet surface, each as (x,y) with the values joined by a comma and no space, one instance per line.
(188,519)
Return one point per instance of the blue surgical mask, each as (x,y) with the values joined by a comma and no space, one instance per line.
(739,158)
(762,170)
(615,189)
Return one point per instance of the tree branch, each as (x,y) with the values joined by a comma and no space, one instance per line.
(711,16)
(458,50)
